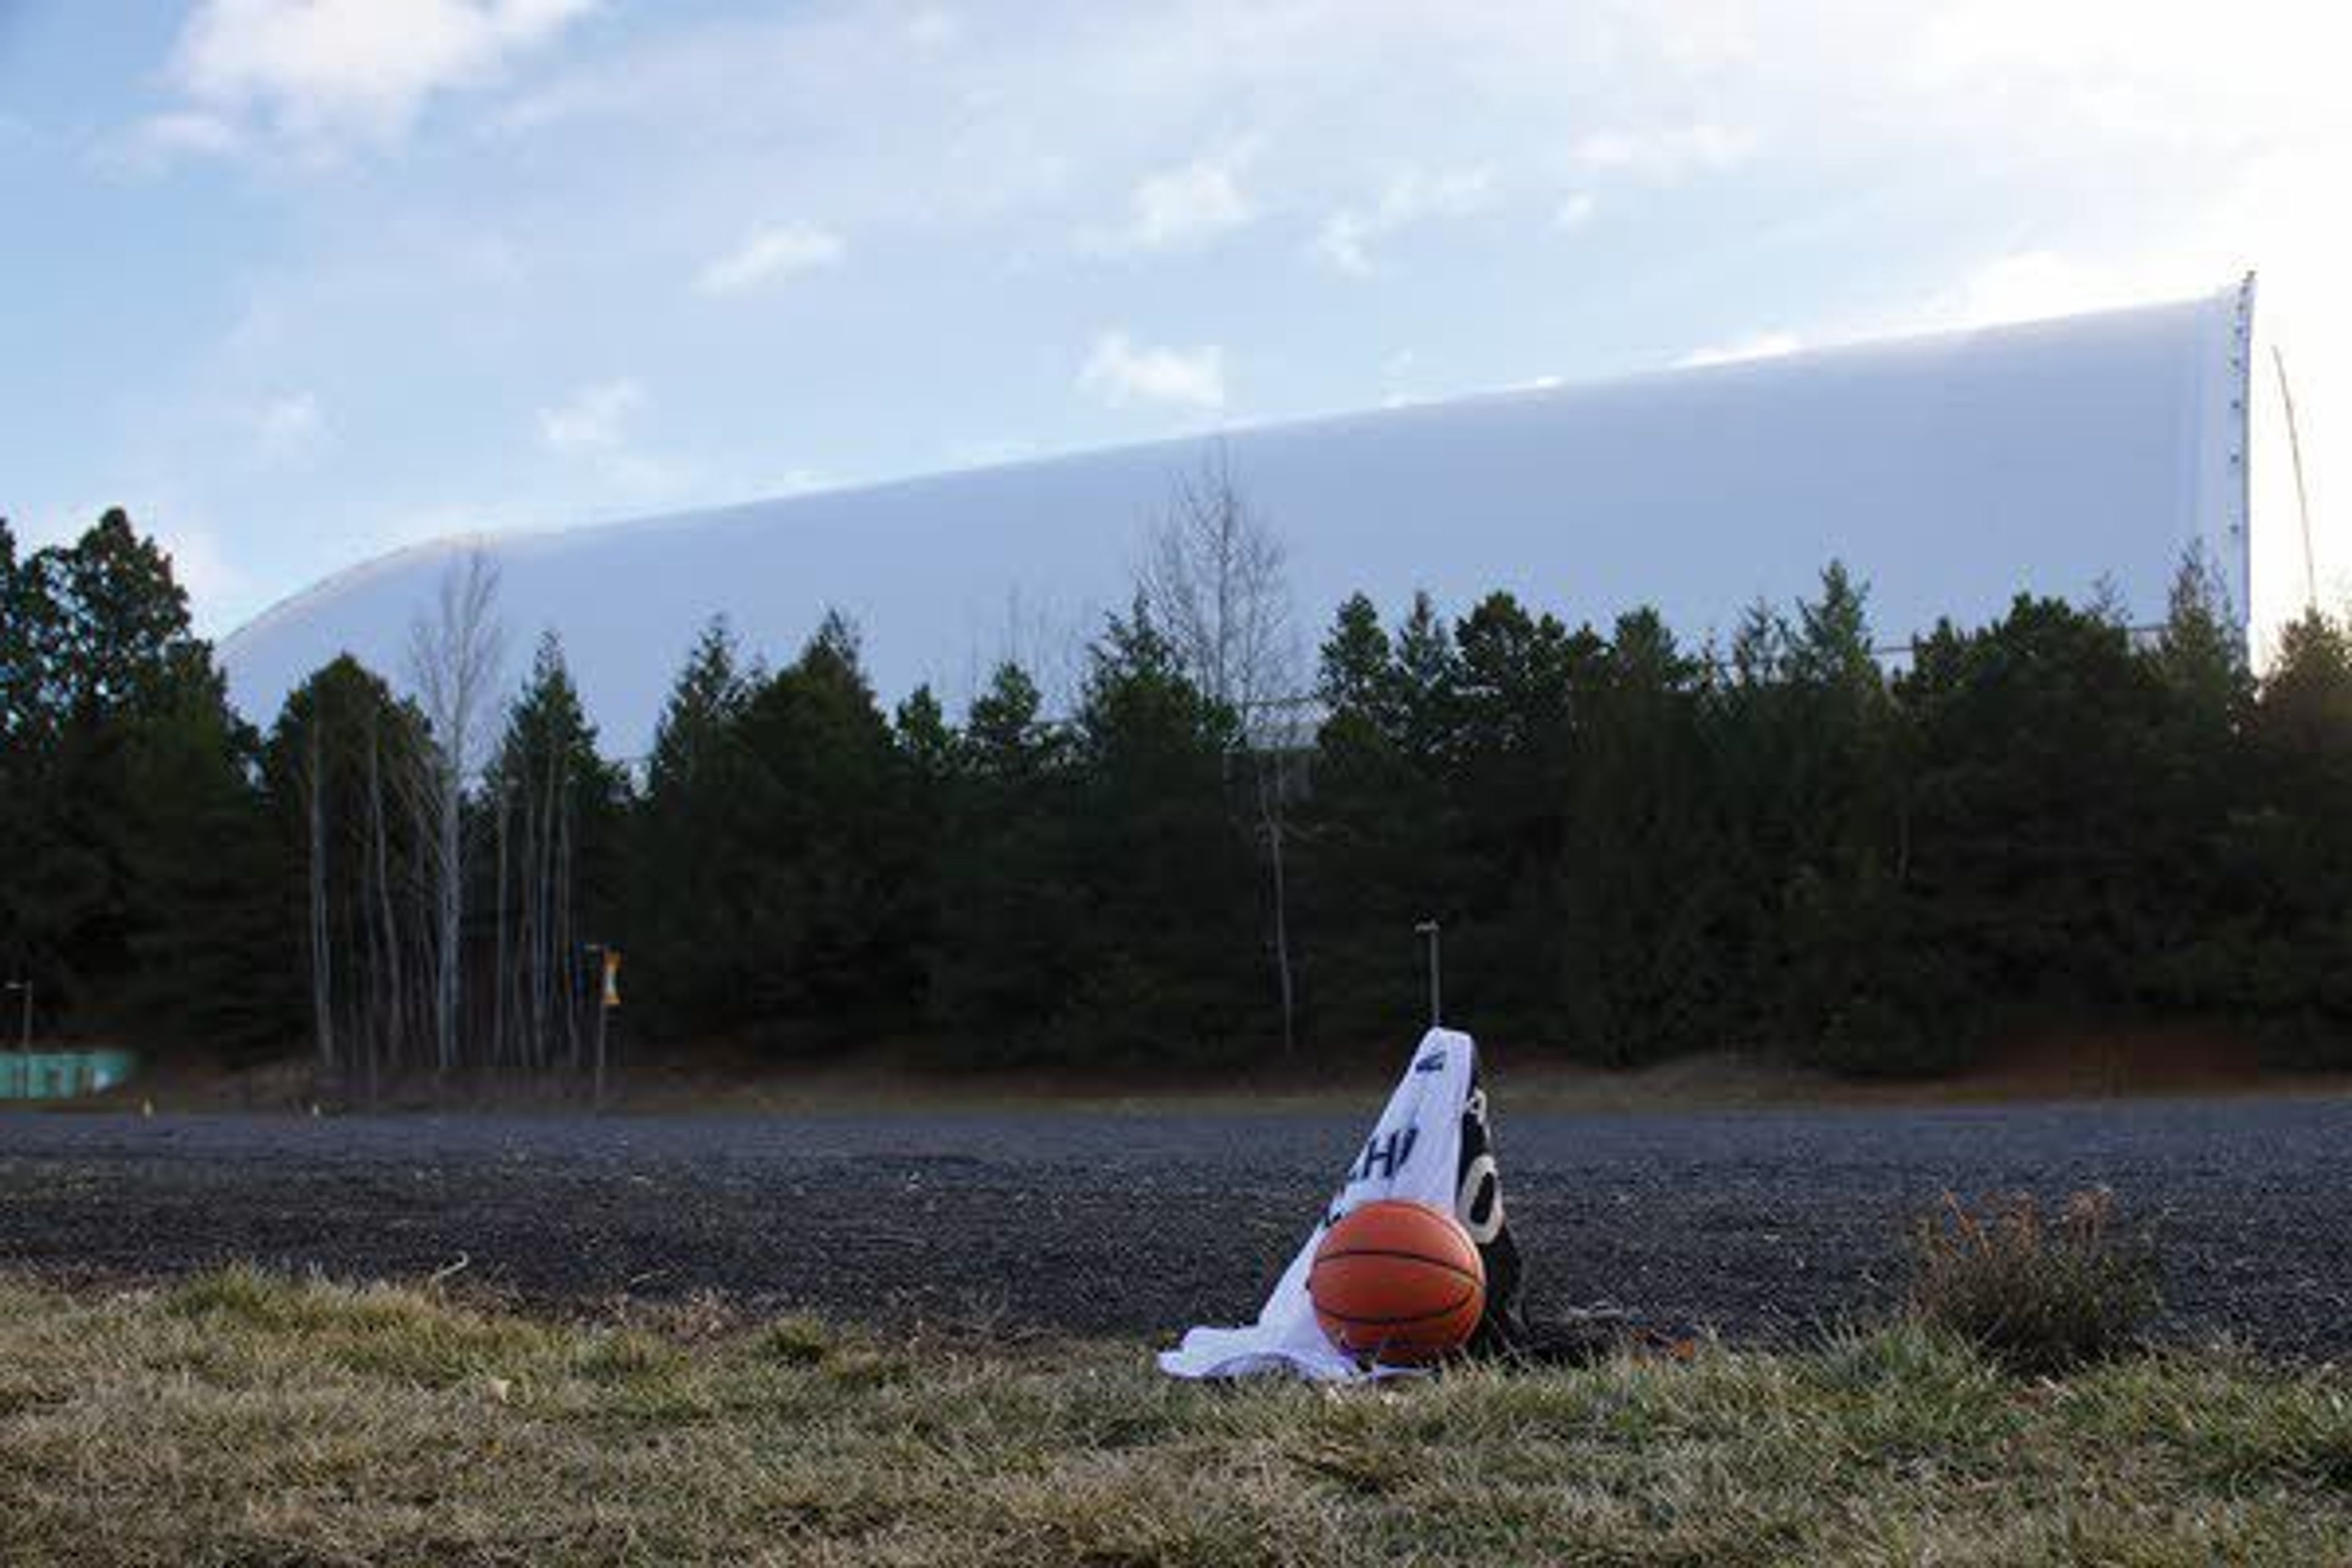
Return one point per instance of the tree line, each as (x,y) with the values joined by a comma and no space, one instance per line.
(1636,845)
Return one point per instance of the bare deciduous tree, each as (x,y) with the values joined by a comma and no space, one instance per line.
(388,1037)
(1214,575)
(322,990)
(454,659)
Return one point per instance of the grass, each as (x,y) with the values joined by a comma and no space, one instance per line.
(2041,1293)
(244,1419)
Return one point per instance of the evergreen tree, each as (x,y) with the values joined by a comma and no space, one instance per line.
(1168,875)
(1004,957)
(821,907)
(2035,739)
(22,612)
(1815,749)
(2190,938)
(1497,809)
(1641,890)
(556,808)
(120,630)
(1422,701)
(25,613)
(332,772)
(687,876)
(205,923)
(109,650)
(1377,828)
(2287,852)
(1355,677)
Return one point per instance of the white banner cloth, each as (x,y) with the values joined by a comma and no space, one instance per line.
(1414,1153)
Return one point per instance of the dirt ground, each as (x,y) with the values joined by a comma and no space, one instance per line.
(1764,1223)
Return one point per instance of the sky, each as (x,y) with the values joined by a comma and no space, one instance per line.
(302,281)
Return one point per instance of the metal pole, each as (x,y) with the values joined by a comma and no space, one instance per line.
(603,1022)
(24,1037)
(1436,1002)
(596,985)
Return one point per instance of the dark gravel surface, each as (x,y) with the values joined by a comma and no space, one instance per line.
(1761,1225)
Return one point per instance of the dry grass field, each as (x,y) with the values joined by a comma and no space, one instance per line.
(237,1418)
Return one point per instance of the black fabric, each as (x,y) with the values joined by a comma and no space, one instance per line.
(1478,1204)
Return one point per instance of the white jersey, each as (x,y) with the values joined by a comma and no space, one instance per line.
(1416,1153)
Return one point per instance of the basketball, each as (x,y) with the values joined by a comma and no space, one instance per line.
(1400,1282)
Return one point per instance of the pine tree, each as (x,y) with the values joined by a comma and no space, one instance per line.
(2191,952)
(1375,832)
(686,872)
(558,806)
(1003,958)
(707,699)
(1499,814)
(332,772)
(820,823)
(22,611)
(1169,877)
(2286,854)
(1355,679)
(1422,686)
(205,927)
(1641,884)
(2035,737)
(104,630)
(122,620)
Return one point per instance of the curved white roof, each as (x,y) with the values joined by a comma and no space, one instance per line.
(1950,472)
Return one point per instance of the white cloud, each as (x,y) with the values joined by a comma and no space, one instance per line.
(1411,197)
(988,452)
(1575,212)
(214,582)
(1395,375)
(770,255)
(1758,345)
(322,71)
(191,133)
(799,482)
(2026,285)
(934,27)
(592,420)
(1666,155)
(594,428)
(1182,207)
(286,428)
(1119,372)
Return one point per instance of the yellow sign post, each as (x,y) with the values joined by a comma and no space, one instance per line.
(607,1000)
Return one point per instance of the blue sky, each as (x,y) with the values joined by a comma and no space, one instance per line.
(302,280)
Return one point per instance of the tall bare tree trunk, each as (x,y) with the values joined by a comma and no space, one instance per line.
(392,1025)
(1215,577)
(567,972)
(501,982)
(454,657)
(322,990)
(1272,798)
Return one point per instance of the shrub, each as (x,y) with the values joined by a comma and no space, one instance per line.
(2040,1293)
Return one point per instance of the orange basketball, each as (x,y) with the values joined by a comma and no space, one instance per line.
(1400,1282)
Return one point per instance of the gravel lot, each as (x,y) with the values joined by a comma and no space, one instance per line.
(1761,1225)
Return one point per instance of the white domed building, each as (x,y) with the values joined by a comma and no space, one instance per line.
(1950,472)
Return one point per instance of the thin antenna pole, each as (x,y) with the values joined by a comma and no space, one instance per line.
(2301,496)
(1436,999)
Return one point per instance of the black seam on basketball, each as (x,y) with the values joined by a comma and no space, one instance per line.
(1323,1257)
(1464,1300)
